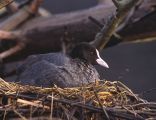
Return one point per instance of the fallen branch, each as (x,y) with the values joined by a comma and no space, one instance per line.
(103,37)
(9,35)
(18,47)
(39,104)
(15,6)
(145,37)
(13,22)
(69,29)
(20,16)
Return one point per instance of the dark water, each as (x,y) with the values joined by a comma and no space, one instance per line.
(133,64)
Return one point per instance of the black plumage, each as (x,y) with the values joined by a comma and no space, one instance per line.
(62,70)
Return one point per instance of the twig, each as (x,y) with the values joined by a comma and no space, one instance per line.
(100,25)
(21,116)
(67,113)
(4,116)
(126,21)
(72,113)
(39,105)
(129,16)
(30,116)
(133,112)
(51,112)
(124,86)
(111,111)
(148,104)
(103,107)
(69,98)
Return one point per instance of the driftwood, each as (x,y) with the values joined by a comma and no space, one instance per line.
(14,21)
(21,15)
(63,27)
(103,37)
(68,29)
(15,6)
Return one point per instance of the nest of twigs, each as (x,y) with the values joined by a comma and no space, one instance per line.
(95,101)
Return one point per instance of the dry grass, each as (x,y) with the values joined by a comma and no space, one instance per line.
(99,100)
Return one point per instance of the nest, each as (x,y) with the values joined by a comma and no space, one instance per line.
(95,101)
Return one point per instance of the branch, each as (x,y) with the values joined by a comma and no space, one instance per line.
(12,51)
(143,37)
(103,37)
(15,20)
(15,6)
(20,16)
(9,35)
(35,6)
(4,3)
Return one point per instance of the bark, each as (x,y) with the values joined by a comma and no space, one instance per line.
(54,32)
(71,28)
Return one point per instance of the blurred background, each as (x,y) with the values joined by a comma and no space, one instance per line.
(133,63)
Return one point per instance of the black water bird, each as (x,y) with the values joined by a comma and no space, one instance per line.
(62,70)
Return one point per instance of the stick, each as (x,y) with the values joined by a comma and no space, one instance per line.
(103,37)
(8,35)
(12,50)
(33,104)
(103,107)
(51,112)
(20,16)
(21,116)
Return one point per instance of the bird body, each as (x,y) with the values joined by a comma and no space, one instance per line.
(64,71)
(72,73)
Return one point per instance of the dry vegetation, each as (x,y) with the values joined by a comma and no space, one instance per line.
(99,100)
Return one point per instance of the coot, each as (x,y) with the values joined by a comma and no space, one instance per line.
(74,69)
